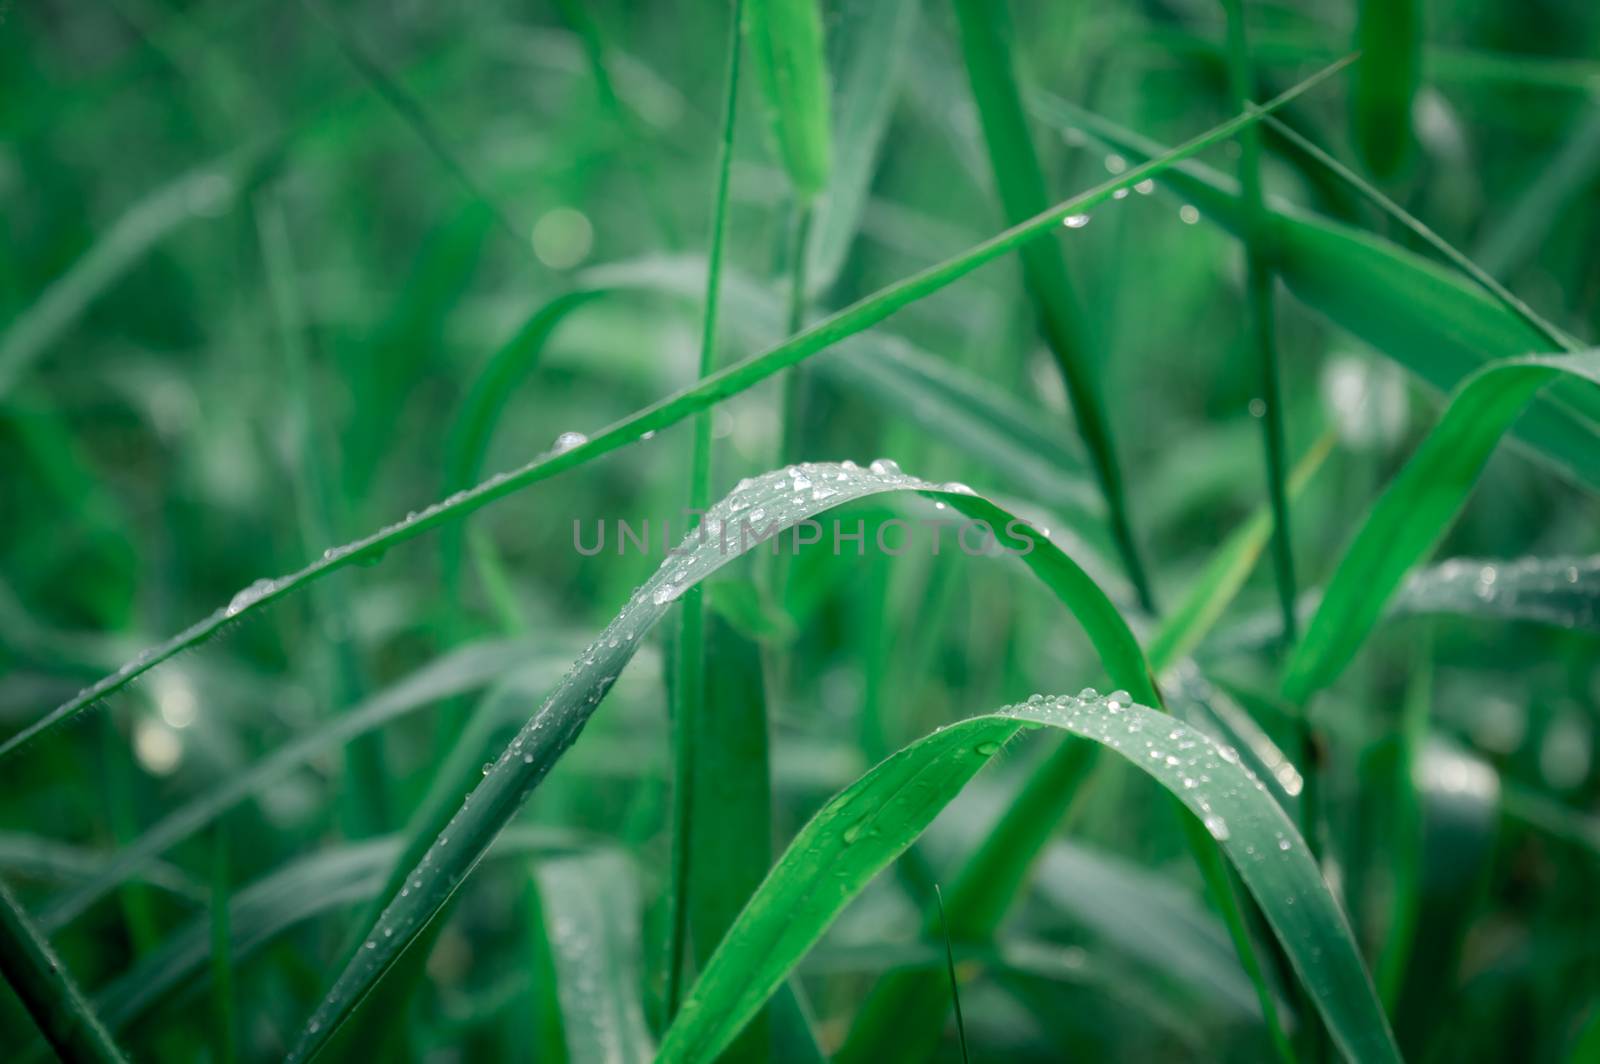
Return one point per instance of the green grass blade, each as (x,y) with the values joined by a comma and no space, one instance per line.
(1432,323)
(861,830)
(721,385)
(317,885)
(445,677)
(1384,84)
(872,38)
(591,911)
(730,827)
(1260,283)
(1021,185)
(786,53)
(1563,591)
(206,192)
(689,681)
(1417,507)
(767,506)
(1514,236)
(1444,248)
(45,987)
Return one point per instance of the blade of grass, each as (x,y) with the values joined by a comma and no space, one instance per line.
(786,53)
(1515,235)
(955,984)
(1259,284)
(413,114)
(689,679)
(1384,84)
(861,830)
(773,503)
(1425,319)
(1021,186)
(47,989)
(1562,591)
(730,826)
(721,385)
(204,192)
(872,38)
(452,674)
(1416,508)
(591,913)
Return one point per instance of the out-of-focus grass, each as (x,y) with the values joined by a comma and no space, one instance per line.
(276,276)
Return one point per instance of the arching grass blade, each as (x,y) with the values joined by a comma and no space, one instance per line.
(1416,509)
(861,830)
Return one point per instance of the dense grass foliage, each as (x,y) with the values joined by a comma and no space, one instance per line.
(517,519)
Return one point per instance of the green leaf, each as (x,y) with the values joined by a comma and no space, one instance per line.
(715,388)
(591,912)
(786,52)
(1416,509)
(861,830)
(47,989)
(1559,591)
(206,192)
(453,674)
(755,512)
(1384,83)
(871,40)
(1433,323)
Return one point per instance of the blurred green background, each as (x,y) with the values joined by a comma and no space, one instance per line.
(256,256)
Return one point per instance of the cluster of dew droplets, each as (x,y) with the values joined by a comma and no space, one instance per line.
(1199,770)
(1115,164)
(759,508)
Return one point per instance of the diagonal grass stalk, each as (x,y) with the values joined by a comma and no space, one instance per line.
(727,382)
(689,695)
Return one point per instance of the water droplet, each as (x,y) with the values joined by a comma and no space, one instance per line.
(1285,845)
(1189,214)
(1075,221)
(987,749)
(568,440)
(1218,827)
(885,467)
(1115,163)
(1145,187)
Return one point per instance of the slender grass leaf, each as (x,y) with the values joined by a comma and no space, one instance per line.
(222,959)
(719,386)
(591,911)
(861,830)
(757,512)
(35,857)
(871,41)
(1559,591)
(447,676)
(1416,509)
(730,826)
(1513,236)
(1021,186)
(322,883)
(786,53)
(206,192)
(47,989)
(1384,83)
(1260,284)
(688,684)
(1432,323)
